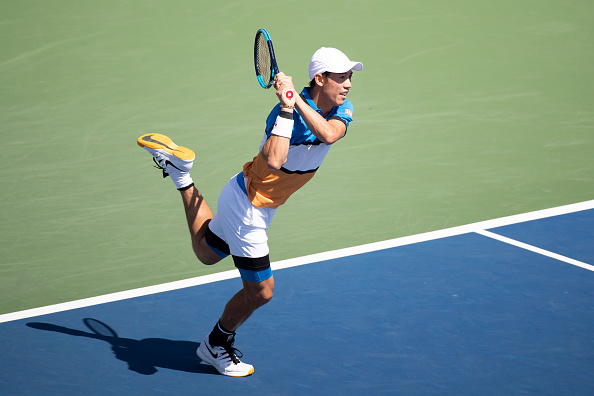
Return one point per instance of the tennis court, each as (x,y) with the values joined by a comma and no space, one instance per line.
(453,312)
(467,114)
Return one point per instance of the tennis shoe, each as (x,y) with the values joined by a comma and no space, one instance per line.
(224,358)
(175,161)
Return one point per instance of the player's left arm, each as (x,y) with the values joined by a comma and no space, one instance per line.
(275,151)
(276,148)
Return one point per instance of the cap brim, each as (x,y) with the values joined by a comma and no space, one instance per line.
(357,66)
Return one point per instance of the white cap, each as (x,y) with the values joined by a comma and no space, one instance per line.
(331,60)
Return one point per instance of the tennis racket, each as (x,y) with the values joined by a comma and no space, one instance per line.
(264,59)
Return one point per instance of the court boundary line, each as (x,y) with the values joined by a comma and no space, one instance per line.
(535,249)
(303,260)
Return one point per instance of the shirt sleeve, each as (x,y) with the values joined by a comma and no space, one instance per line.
(344,113)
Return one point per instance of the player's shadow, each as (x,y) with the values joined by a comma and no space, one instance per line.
(143,356)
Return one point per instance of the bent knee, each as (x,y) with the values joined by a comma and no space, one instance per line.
(261,298)
(266,296)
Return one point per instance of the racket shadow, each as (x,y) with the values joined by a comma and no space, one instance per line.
(142,356)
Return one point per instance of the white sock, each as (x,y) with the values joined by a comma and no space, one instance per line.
(180,179)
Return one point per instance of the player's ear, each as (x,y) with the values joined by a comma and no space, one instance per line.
(319,79)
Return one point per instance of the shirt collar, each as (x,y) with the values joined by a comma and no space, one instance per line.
(307,97)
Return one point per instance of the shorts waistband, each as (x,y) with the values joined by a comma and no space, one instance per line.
(241,182)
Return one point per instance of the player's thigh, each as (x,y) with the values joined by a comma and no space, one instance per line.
(206,254)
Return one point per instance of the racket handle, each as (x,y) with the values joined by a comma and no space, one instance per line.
(289,94)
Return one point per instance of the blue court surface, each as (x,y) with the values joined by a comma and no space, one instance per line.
(464,314)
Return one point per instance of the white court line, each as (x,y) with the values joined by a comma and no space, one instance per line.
(313,258)
(535,249)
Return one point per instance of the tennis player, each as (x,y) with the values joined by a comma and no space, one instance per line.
(300,130)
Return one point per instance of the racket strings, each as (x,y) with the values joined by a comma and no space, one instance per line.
(263,59)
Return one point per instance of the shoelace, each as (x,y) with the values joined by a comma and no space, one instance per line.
(233,353)
(158,166)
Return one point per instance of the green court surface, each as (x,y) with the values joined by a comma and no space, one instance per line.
(465,111)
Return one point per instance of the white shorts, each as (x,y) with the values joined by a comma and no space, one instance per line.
(239,223)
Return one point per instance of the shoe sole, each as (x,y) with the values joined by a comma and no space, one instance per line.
(206,359)
(156,141)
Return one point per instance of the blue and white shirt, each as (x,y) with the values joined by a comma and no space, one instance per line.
(268,188)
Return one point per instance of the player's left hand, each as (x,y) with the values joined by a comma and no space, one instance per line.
(285,91)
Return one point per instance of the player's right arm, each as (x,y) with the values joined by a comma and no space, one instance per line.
(328,131)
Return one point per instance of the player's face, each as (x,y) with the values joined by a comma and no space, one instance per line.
(336,87)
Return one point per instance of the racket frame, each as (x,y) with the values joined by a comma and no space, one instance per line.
(273,65)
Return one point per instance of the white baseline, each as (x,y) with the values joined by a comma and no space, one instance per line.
(479,227)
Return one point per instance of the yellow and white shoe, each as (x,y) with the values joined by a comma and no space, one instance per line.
(175,161)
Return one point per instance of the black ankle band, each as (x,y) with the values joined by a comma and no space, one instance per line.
(221,336)
(186,187)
